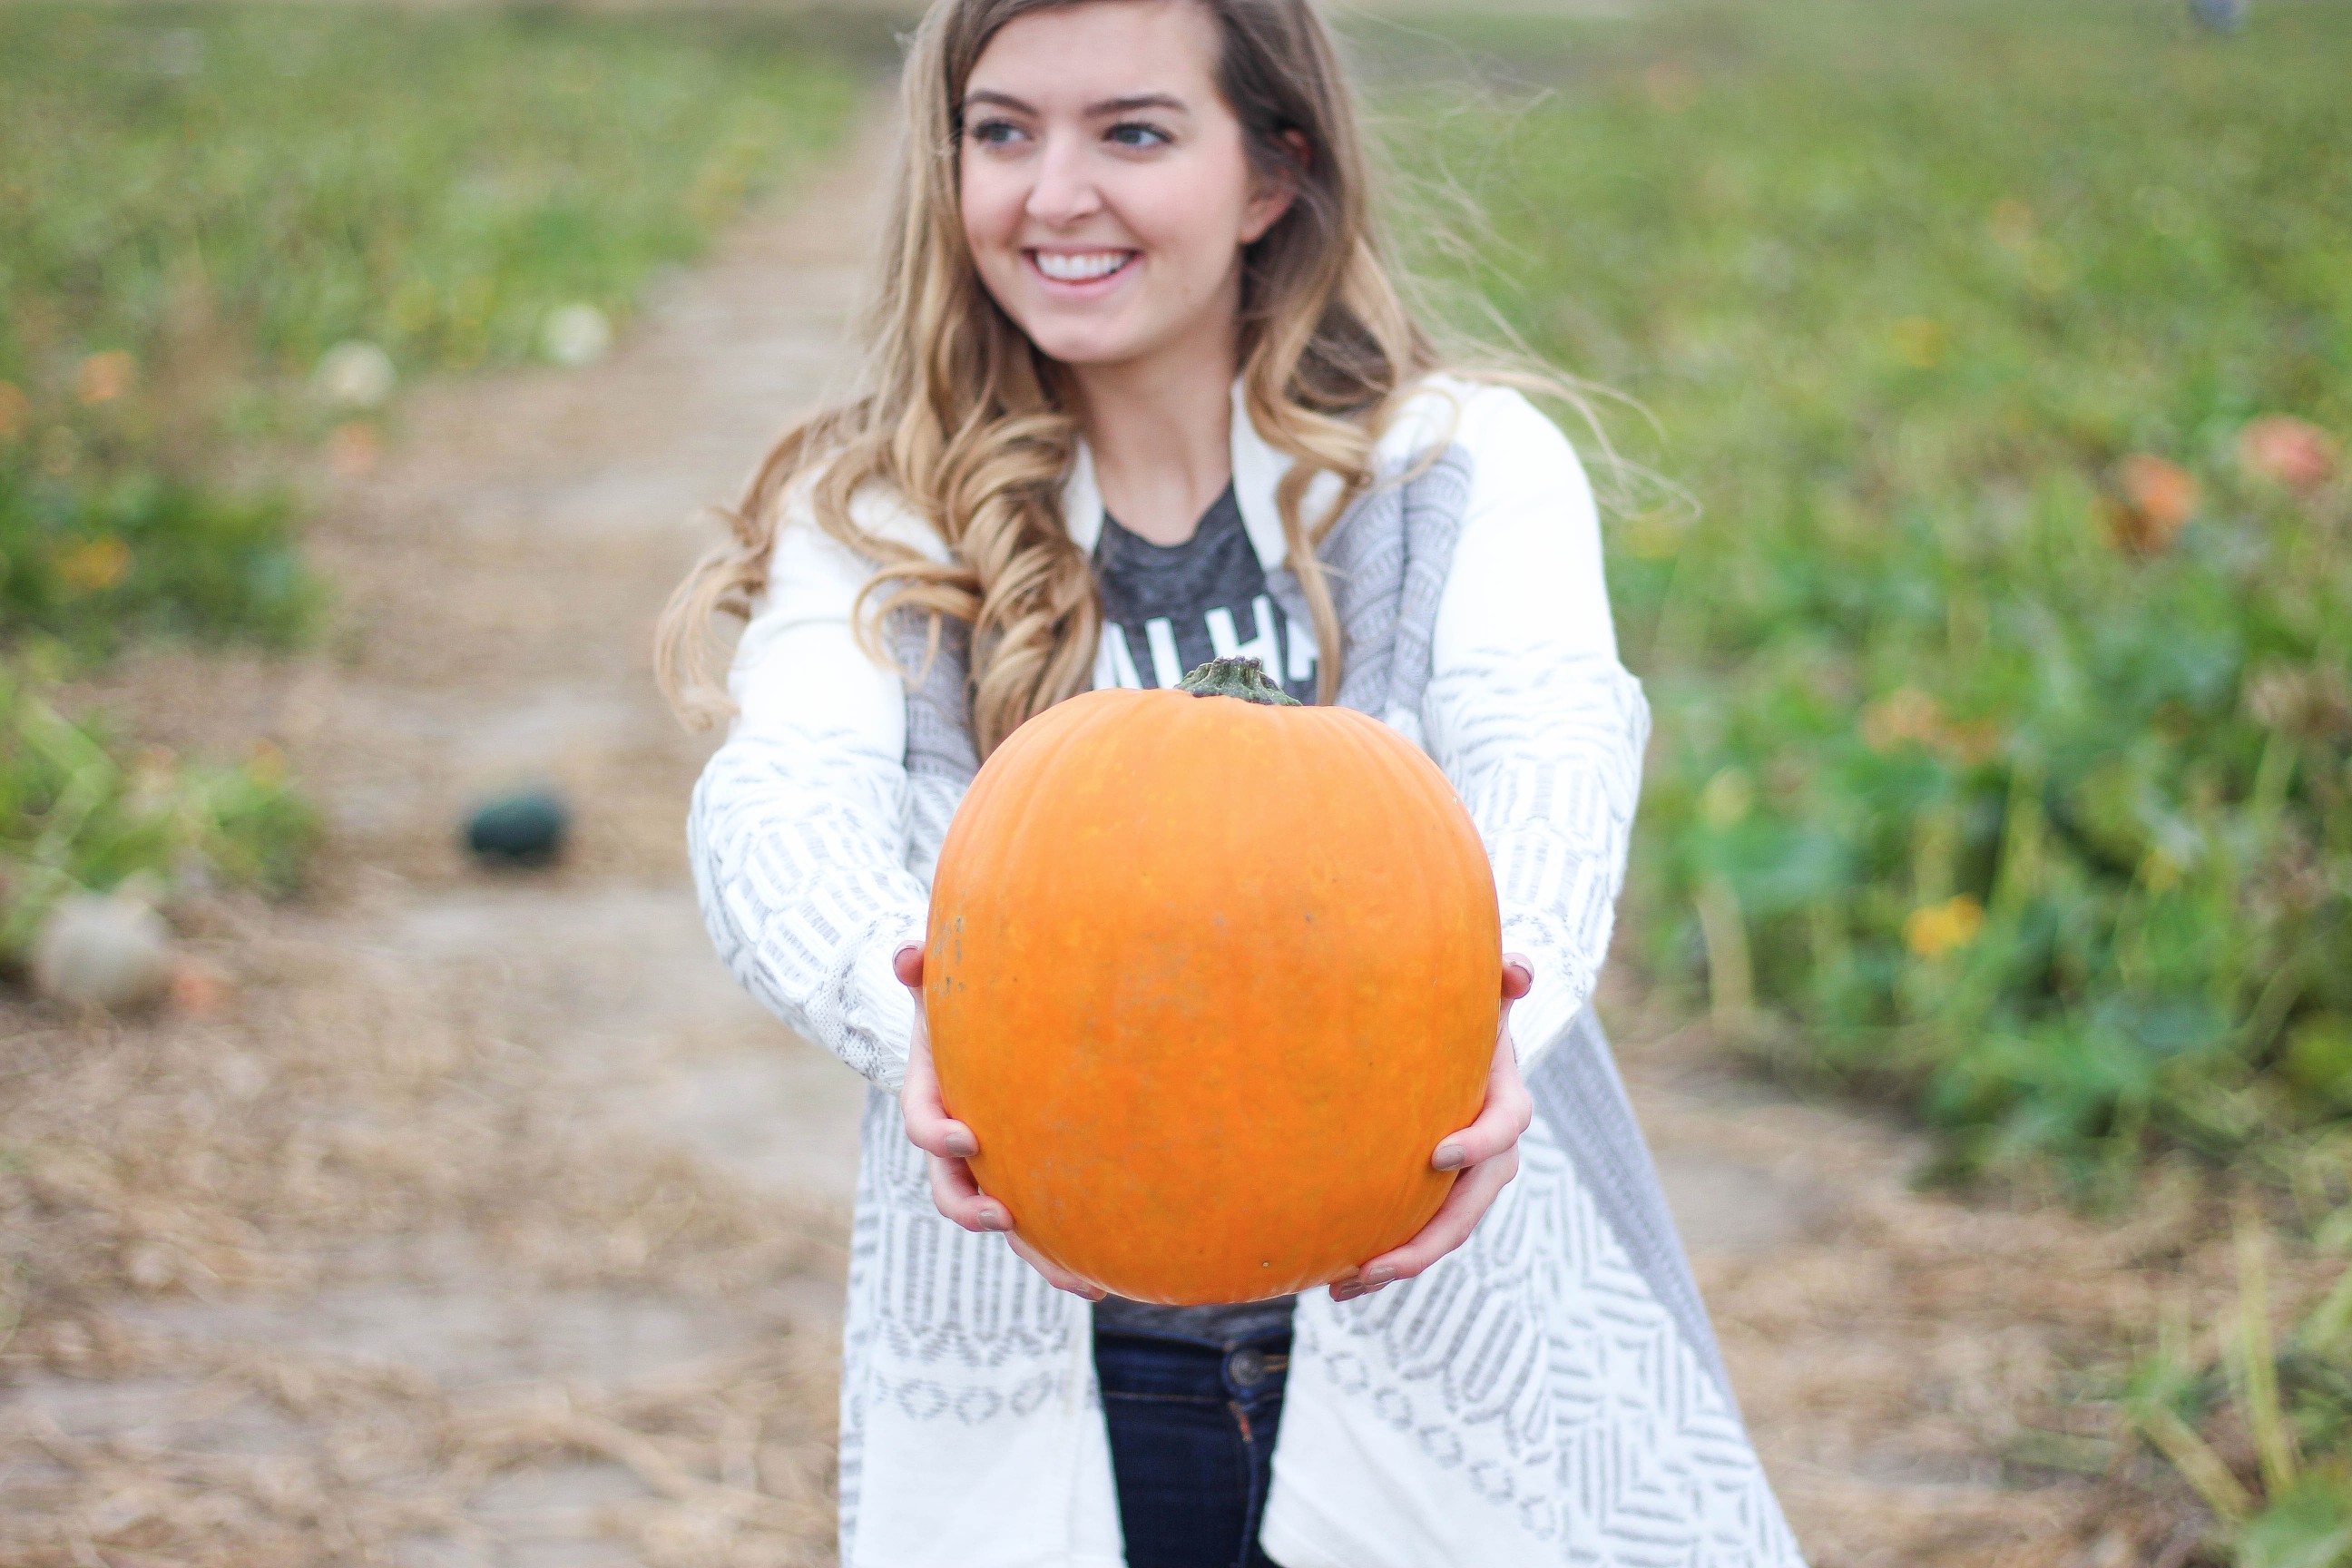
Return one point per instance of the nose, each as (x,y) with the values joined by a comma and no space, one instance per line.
(1065,191)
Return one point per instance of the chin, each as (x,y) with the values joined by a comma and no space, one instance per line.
(1068,345)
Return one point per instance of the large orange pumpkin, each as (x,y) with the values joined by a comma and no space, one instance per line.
(1209,974)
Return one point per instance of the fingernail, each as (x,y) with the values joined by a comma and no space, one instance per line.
(1379,1274)
(962,1145)
(1346,1292)
(995,1219)
(1449,1157)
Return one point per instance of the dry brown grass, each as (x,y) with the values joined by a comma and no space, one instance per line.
(341,1125)
(1932,1376)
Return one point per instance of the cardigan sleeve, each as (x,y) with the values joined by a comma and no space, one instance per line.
(1528,710)
(798,827)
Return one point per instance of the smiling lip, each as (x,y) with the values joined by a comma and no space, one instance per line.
(1079,269)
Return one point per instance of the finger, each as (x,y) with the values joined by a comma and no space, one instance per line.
(1449,1227)
(1518,977)
(906,964)
(959,1197)
(939,1135)
(1502,1119)
(1500,1122)
(1059,1278)
(928,1126)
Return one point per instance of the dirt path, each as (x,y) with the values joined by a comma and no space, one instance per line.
(490,1224)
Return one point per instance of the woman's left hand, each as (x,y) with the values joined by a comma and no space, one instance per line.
(1487,1152)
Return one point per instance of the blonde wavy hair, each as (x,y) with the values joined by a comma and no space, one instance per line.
(973,429)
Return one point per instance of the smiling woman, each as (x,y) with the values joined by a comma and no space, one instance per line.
(1142,384)
(1107,228)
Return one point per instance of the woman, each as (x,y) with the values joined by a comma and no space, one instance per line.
(1141,393)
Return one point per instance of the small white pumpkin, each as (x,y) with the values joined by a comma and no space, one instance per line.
(98,951)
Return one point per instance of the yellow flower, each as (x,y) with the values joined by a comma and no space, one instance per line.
(96,564)
(1934,930)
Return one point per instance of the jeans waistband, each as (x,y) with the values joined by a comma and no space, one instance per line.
(1138,1366)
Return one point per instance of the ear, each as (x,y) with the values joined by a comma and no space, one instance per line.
(1274,195)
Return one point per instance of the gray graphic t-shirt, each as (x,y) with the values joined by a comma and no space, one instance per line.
(1169,607)
(1166,608)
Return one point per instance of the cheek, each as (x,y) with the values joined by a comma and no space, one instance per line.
(1194,214)
(992,208)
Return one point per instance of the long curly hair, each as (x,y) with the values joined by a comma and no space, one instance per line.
(973,429)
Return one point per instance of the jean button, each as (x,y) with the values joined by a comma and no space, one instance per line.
(1246,1367)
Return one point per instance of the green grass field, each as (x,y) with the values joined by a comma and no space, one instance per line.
(199,205)
(230,232)
(2002,702)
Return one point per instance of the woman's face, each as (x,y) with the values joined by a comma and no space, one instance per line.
(1106,192)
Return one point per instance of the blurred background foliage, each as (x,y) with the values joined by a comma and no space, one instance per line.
(81,810)
(2001,665)
(1996,606)
(227,234)
(247,223)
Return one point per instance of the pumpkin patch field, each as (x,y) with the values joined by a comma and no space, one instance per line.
(1981,373)
(1985,552)
(1997,599)
(228,236)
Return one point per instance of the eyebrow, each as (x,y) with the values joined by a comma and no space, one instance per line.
(1127,105)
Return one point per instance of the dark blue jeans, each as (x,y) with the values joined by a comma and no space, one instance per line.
(1192,1442)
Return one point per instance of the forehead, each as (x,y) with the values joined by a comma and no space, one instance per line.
(1102,49)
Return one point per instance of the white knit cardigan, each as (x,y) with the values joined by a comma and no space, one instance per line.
(1548,1395)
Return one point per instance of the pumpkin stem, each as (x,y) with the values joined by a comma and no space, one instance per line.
(1242,677)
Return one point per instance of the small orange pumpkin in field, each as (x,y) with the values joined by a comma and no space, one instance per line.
(1209,974)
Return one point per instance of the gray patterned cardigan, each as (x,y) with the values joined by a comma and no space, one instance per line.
(1551,1394)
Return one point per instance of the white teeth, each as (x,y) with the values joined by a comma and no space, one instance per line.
(1082,268)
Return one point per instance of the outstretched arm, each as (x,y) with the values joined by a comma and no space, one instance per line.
(797,833)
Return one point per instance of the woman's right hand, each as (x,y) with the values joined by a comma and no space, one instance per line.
(951,1144)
